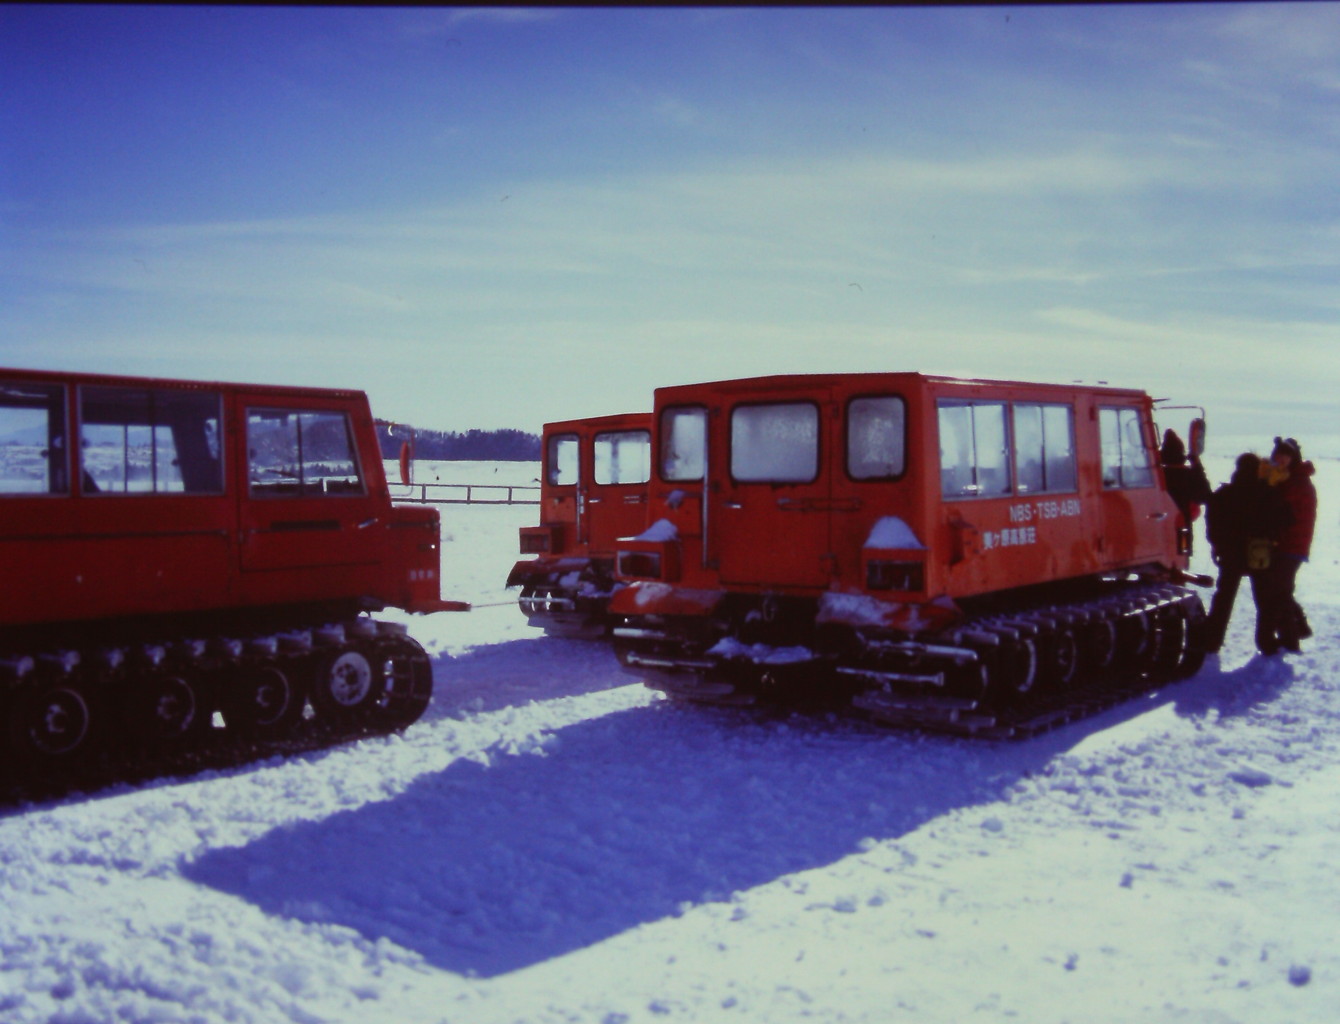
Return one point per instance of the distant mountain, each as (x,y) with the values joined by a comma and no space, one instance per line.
(474,445)
(29,435)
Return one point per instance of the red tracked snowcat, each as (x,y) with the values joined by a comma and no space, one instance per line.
(593,490)
(176,549)
(980,557)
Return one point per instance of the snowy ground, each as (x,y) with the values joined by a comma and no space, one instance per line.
(554,843)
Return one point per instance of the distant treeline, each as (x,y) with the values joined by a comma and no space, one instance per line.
(472,446)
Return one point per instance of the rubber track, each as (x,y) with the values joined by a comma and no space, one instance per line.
(1081,699)
(218,751)
(926,709)
(102,764)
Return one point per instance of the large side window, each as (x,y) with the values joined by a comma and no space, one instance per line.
(562,460)
(1044,448)
(33,452)
(974,453)
(622,457)
(301,453)
(876,438)
(683,443)
(149,441)
(774,443)
(1124,454)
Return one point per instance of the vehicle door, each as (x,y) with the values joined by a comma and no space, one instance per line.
(1138,516)
(155,524)
(306,498)
(562,490)
(772,490)
(616,494)
(870,483)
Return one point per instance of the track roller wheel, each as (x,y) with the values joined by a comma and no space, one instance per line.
(263,701)
(1061,657)
(1195,622)
(1136,641)
(1171,634)
(1197,627)
(1013,672)
(346,683)
(165,708)
(1098,644)
(50,724)
(406,674)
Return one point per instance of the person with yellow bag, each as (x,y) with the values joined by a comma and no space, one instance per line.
(1244,519)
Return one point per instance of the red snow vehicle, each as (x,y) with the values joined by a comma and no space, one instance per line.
(964,554)
(176,548)
(593,490)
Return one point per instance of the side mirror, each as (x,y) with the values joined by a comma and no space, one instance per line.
(404,463)
(1196,438)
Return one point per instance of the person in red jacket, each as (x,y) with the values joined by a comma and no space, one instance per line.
(1286,624)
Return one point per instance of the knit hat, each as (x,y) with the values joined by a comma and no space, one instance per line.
(1247,468)
(1289,446)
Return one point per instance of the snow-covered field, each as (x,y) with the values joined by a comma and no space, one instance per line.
(554,843)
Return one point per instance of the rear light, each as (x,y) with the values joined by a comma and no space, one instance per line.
(643,565)
(882,574)
(540,540)
(1184,540)
(647,560)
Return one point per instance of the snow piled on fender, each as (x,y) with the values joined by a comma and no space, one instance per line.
(892,532)
(553,842)
(660,531)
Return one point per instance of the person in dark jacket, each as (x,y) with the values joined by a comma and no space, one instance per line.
(1292,477)
(1243,521)
(1188,486)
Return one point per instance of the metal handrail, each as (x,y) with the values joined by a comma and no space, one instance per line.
(465,494)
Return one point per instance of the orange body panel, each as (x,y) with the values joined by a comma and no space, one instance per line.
(586,502)
(593,491)
(806,485)
(157,543)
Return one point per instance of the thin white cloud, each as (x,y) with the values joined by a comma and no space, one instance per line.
(1039,266)
(1295,36)
(678,112)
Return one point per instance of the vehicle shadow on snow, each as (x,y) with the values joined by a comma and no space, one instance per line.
(490,677)
(612,823)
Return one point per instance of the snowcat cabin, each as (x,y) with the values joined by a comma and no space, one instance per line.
(593,490)
(791,518)
(149,523)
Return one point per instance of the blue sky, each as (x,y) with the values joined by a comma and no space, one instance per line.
(497,217)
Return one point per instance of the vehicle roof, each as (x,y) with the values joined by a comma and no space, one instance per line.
(905,379)
(119,380)
(619,419)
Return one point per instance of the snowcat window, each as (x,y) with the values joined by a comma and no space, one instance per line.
(149,441)
(1124,454)
(974,454)
(683,443)
(563,469)
(776,444)
(623,457)
(1044,448)
(32,439)
(300,453)
(876,438)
